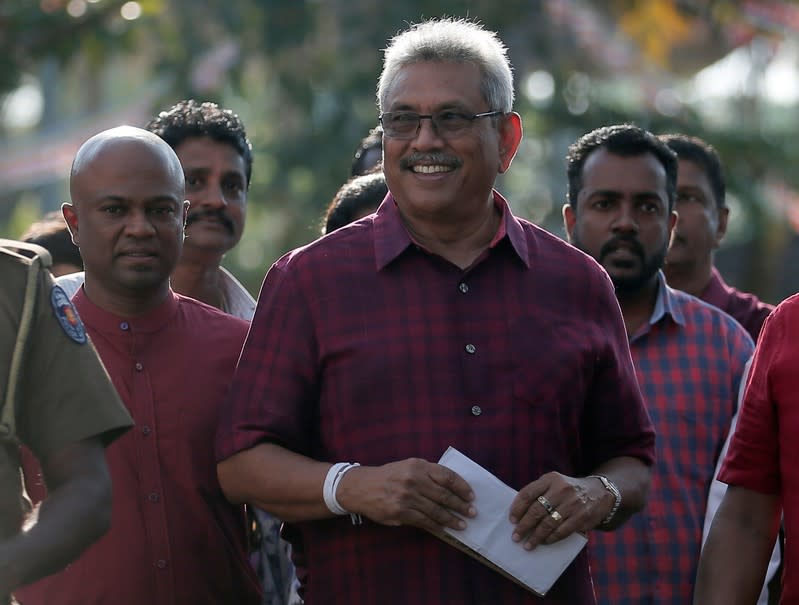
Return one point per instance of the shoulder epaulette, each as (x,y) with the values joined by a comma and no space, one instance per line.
(26,251)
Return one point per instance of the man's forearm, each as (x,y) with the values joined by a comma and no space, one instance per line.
(277,480)
(739,544)
(76,512)
(632,478)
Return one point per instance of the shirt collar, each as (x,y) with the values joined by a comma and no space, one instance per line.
(665,303)
(717,292)
(391,238)
(105,321)
(238,301)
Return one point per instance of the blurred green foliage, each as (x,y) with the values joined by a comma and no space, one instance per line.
(302,75)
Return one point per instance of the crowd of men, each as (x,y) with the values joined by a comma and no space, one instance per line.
(285,450)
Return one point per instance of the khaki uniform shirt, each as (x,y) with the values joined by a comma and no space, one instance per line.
(64,394)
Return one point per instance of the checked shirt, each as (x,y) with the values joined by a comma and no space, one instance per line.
(366,348)
(689,359)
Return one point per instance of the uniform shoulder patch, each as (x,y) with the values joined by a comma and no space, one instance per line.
(67,315)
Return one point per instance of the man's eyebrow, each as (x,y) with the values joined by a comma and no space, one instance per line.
(606,193)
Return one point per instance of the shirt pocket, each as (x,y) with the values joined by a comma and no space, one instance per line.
(551,362)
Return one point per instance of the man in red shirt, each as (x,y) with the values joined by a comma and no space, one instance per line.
(440,320)
(174,538)
(762,475)
(702,214)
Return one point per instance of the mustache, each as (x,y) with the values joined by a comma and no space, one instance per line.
(614,243)
(430,158)
(219,214)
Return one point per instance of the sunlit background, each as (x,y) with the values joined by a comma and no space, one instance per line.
(302,75)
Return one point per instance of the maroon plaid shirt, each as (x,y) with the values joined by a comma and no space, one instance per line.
(364,347)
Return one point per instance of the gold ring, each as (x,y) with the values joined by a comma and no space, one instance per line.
(556,515)
(546,504)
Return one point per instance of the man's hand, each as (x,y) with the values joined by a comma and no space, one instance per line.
(409,492)
(555,506)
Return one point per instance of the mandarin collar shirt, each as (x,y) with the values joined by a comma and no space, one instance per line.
(689,358)
(174,538)
(367,348)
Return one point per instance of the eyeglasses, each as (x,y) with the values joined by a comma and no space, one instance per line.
(405,125)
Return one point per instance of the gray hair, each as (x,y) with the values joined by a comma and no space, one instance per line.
(452,40)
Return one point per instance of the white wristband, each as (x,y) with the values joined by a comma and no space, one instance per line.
(333,478)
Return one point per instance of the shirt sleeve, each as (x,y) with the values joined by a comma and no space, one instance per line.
(617,422)
(753,457)
(274,393)
(716,494)
(65,394)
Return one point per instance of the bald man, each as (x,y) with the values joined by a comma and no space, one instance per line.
(174,538)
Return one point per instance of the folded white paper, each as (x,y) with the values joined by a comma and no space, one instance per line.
(489,533)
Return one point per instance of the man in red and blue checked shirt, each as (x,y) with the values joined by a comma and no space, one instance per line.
(439,320)
(689,357)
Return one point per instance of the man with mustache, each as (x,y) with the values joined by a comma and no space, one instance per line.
(440,320)
(174,537)
(689,358)
(212,146)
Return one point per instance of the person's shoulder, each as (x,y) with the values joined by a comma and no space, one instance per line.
(199,312)
(19,263)
(556,253)
(353,240)
(746,303)
(706,316)
(787,310)
(18,256)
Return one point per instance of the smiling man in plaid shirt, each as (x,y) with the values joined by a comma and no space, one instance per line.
(440,320)
(689,358)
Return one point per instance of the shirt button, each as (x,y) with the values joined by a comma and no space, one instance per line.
(146,430)
(139,366)
(124,326)
(463,287)
(153,497)
(476,410)
(160,564)
(470,349)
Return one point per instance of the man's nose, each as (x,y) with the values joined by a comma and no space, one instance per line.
(212,197)
(138,224)
(427,134)
(625,219)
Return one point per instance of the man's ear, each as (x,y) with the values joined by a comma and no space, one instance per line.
(186,206)
(721,224)
(569,219)
(71,217)
(510,135)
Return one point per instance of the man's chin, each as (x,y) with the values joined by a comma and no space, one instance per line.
(630,284)
(209,240)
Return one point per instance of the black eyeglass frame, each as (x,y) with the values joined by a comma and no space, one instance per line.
(434,122)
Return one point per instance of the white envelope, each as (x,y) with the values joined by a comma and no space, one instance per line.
(489,533)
